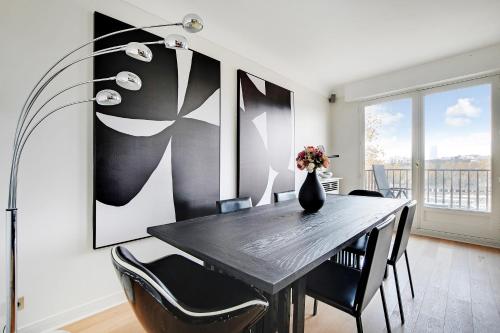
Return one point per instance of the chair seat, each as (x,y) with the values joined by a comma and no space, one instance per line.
(198,288)
(359,246)
(335,285)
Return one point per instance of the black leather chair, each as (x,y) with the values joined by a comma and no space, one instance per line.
(176,295)
(232,205)
(399,248)
(351,255)
(358,247)
(284,196)
(349,289)
(366,193)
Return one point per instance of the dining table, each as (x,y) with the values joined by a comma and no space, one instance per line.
(273,247)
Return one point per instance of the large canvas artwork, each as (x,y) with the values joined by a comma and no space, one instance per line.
(266,161)
(156,155)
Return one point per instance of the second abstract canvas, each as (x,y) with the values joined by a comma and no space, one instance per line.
(266,161)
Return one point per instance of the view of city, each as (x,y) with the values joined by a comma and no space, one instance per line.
(457,139)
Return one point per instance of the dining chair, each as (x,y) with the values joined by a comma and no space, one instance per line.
(383,184)
(358,247)
(284,196)
(175,295)
(349,289)
(232,205)
(228,206)
(366,193)
(351,255)
(399,248)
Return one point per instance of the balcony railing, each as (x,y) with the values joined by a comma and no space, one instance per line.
(467,189)
(400,178)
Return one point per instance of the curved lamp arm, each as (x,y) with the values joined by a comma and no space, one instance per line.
(13,189)
(81,47)
(191,23)
(24,116)
(25,112)
(124,79)
(104,97)
(21,127)
(32,118)
(16,157)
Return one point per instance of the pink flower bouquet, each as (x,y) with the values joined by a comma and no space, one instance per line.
(311,158)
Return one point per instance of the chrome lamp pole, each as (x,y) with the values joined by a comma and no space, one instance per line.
(31,117)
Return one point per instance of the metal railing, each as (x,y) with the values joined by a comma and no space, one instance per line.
(400,178)
(467,189)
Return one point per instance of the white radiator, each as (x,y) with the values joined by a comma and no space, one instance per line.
(331,185)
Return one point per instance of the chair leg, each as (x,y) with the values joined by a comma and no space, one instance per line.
(315,307)
(409,274)
(399,294)
(359,324)
(384,305)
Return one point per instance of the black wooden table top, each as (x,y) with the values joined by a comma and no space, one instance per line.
(272,246)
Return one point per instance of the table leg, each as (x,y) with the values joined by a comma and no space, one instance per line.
(284,310)
(299,304)
(277,317)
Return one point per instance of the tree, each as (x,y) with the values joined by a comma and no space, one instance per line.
(374,154)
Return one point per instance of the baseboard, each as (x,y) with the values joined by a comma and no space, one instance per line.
(457,237)
(74,314)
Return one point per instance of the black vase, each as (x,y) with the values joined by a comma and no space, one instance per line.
(312,195)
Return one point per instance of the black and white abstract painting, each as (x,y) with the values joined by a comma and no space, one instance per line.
(156,155)
(266,161)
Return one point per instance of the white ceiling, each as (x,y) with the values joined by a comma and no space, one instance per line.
(325,43)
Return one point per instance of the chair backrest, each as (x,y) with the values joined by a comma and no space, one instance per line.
(284,196)
(143,288)
(232,205)
(380,177)
(366,193)
(159,311)
(403,232)
(372,273)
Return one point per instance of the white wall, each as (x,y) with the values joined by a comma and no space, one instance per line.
(461,66)
(60,275)
(345,141)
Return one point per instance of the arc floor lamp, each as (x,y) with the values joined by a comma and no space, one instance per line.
(32,116)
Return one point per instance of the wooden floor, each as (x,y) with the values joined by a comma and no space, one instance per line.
(457,289)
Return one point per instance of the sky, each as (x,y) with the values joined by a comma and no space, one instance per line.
(457,122)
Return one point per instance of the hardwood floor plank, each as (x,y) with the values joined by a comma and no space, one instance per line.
(422,264)
(458,316)
(484,309)
(119,319)
(432,313)
(493,256)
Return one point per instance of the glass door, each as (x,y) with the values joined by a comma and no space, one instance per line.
(388,147)
(440,146)
(457,150)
